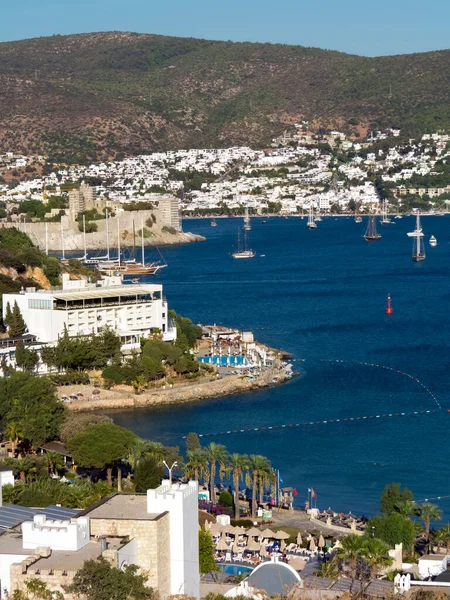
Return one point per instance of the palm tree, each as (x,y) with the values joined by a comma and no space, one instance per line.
(55,462)
(407,508)
(426,513)
(376,555)
(444,536)
(329,569)
(352,547)
(216,453)
(257,465)
(13,431)
(197,464)
(265,477)
(238,464)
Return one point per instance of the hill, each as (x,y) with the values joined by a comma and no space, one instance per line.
(102,95)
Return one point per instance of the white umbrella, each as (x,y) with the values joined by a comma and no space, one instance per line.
(263,551)
(267,533)
(312,545)
(235,546)
(253,532)
(208,525)
(299,539)
(321,542)
(222,544)
(253,545)
(281,535)
(216,528)
(283,545)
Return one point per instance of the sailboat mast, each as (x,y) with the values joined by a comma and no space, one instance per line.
(62,241)
(142,242)
(84,236)
(118,240)
(107,234)
(418,234)
(46,238)
(134,240)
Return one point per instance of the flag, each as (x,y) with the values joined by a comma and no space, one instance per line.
(279,477)
(313,493)
(294,492)
(309,489)
(307,505)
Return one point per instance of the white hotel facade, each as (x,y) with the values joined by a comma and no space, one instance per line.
(131,310)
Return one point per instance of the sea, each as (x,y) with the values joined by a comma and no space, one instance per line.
(371,398)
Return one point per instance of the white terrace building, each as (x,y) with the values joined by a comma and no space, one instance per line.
(132,311)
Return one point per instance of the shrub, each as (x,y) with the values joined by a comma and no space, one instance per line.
(169,229)
(226,499)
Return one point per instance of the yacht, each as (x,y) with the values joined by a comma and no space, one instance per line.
(433,241)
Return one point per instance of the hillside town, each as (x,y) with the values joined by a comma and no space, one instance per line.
(329,172)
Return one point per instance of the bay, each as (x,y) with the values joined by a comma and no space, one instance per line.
(321,295)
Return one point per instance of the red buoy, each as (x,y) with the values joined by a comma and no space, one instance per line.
(389,310)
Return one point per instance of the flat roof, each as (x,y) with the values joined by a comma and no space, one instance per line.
(126,506)
(67,560)
(108,292)
(11,543)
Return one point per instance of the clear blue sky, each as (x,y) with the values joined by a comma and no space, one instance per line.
(367,27)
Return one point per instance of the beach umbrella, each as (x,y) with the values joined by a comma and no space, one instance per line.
(222,544)
(216,528)
(208,525)
(299,539)
(263,551)
(281,535)
(321,542)
(283,545)
(229,529)
(235,546)
(253,532)
(253,545)
(267,533)
(312,545)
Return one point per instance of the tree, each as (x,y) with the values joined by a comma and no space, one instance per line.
(75,423)
(206,552)
(239,464)
(26,359)
(31,402)
(13,432)
(148,474)
(257,465)
(216,454)
(192,441)
(100,446)
(428,512)
(8,316)
(225,498)
(349,552)
(392,495)
(376,554)
(36,590)
(197,464)
(17,325)
(392,529)
(99,580)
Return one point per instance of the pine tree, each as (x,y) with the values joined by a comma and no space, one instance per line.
(17,326)
(8,316)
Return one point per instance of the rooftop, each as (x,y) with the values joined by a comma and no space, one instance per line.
(67,560)
(102,292)
(127,506)
(11,543)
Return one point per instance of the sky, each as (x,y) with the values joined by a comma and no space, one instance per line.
(365,27)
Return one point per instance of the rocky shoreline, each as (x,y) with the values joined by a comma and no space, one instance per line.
(123,398)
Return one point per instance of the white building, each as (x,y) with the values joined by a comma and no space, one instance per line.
(132,311)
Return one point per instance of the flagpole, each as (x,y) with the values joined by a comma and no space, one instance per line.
(278,482)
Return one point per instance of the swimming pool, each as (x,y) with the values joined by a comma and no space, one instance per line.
(235,569)
(223,361)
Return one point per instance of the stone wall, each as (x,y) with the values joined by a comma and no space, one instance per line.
(153,545)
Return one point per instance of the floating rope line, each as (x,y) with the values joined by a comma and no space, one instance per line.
(428,499)
(367,364)
(266,428)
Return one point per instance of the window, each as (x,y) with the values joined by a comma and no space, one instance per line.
(37,303)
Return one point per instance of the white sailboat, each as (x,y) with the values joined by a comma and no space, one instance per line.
(243,251)
(311,224)
(385,220)
(418,246)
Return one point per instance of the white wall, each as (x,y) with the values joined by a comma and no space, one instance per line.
(6,560)
(181,501)
(6,477)
(57,535)
(428,568)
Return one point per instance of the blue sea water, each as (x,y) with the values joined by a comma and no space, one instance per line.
(321,294)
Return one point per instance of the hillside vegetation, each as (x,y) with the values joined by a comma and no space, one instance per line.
(102,95)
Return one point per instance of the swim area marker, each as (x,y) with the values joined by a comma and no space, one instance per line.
(343,419)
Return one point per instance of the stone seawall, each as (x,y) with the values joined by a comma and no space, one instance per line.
(68,231)
(190,392)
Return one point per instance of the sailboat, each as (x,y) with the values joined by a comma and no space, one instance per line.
(418,246)
(243,251)
(213,222)
(372,234)
(358,218)
(247,225)
(311,224)
(385,220)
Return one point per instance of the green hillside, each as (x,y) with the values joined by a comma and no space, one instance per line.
(106,94)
